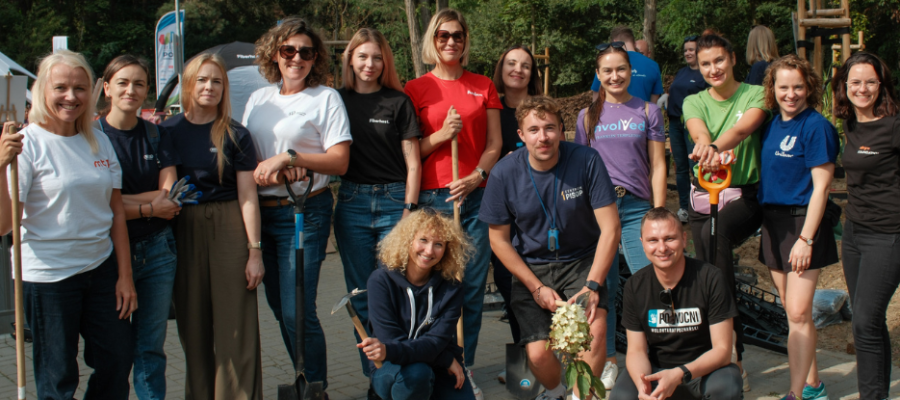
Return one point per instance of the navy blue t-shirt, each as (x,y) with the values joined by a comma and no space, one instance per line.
(646,79)
(198,156)
(789,150)
(583,186)
(757,73)
(140,171)
(687,82)
(509,129)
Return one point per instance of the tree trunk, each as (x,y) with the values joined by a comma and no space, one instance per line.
(424,13)
(415,38)
(650,25)
(442,4)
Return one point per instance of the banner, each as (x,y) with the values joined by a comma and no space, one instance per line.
(165,52)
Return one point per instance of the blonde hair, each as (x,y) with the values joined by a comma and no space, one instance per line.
(41,114)
(268,44)
(761,45)
(430,54)
(388,76)
(393,250)
(222,123)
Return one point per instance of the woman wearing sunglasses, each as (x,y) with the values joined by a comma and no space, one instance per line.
(452,102)
(628,133)
(298,125)
(381,185)
(867,102)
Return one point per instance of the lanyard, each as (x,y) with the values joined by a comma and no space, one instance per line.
(552,233)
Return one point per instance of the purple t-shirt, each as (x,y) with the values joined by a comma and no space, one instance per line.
(621,137)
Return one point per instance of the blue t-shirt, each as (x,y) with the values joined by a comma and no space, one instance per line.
(645,77)
(757,73)
(687,82)
(583,186)
(198,155)
(140,171)
(789,150)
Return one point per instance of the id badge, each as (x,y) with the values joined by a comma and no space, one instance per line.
(552,239)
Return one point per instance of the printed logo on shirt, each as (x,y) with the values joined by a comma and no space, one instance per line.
(738,115)
(378,121)
(148,156)
(621,125)
(101,163)
(679,321)
(693,81)
(786,145)
(213,150)
(867,151)
(474,94)
(573,193)
(297,113)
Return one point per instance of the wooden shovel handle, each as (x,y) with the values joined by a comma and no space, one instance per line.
(362,334)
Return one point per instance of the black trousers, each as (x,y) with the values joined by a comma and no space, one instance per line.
(722,384)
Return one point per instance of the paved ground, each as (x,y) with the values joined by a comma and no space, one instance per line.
(769,370)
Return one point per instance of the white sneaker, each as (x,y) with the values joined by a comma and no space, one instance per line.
(746,379)
(682,215)
(502,376)
(610,373)
(479,395)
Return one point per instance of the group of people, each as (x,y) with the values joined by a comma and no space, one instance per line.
(104,248)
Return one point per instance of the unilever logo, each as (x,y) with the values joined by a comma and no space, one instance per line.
(166,38)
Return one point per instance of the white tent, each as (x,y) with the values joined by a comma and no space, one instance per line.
(7,65)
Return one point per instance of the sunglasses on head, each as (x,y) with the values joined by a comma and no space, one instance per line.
(444,36)
(603,46)
(667,298)
(288,52)
(692,38)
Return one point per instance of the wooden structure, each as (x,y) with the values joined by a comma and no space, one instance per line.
(822,22)
(546,75)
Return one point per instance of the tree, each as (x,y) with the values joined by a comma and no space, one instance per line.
(649,31)
(415,37)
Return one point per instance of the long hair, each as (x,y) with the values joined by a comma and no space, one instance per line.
(388,76)
(430,54)
(812,80)
(268,44)
(116,65)
(592,115)
(222,124)
(761,45)
(534,83)
(40,112)
(393,250)
(885,104)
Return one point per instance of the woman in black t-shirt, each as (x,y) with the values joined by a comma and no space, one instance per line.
(865,99)
(381,185)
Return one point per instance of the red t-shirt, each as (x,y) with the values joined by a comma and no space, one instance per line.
(471,95)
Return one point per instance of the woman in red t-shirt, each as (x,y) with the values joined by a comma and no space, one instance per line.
(452,102)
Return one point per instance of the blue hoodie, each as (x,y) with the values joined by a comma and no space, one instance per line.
(415,323)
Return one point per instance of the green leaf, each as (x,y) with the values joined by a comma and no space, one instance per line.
(584,385)
(599,388)
(571,373)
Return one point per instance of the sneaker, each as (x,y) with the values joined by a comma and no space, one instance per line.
(610,373)
(544,396)
(502,376)
(815,393)
(479,395)
(746,380)
(790,396)
(682,215)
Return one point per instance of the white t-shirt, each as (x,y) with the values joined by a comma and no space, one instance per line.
(65,189)
(309,122)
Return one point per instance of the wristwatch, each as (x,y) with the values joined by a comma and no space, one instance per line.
(411,206)
(687,374)
(807,241)
(592,286)
(716,148)
(293,155)
(254,245)
(482,173)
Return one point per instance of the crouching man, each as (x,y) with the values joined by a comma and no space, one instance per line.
(561,205)
(679,320)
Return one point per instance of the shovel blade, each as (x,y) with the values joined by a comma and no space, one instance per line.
(288,392)
(520,382)
(314,391)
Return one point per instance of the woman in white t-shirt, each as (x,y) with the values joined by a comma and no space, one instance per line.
(299,122)
(76,260)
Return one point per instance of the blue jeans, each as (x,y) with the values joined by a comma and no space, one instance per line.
(153,264)
(682,146)
(477,268)
(363,216)
(83,304)
(418,381)
(278,257)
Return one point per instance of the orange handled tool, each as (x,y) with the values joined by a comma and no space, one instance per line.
(714,189)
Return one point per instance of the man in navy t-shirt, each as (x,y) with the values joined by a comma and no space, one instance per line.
(561,203)
(646,80)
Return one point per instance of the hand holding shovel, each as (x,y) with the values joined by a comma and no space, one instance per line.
(345,301)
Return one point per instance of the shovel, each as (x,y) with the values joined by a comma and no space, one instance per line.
(345,301)
(17,268)
(714,189)
(300,389)
(520,381)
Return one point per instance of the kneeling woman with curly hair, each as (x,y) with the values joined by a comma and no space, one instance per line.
(415,298)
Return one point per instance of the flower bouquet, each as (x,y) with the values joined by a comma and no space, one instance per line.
(570,334)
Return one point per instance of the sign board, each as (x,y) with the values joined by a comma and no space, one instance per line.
(60,43)
(165,50)
(17,87)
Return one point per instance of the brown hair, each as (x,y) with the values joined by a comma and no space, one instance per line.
(116,65)
(268,44)
(222,124)
(393,250)
(761,45)
(541,105)
(534,84)
(429,50)
(388,76)
(791,61)
(885,104)
(710,39)
(661,214)
(621,33)
(592,115)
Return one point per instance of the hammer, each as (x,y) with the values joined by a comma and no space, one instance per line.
(345,301)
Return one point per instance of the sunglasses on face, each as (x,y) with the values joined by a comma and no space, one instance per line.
(444,36)
(692,38)
(603,46)
(667,298)
(288,52)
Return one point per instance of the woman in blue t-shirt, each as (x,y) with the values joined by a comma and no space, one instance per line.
(799,148)
(148,159)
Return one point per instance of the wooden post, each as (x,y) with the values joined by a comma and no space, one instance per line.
(801,30)
(845,38)
(547,71)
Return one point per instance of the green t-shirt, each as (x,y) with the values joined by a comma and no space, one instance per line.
(720,116)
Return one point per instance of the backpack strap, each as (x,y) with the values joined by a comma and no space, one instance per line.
(153,136)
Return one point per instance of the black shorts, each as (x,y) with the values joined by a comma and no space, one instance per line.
(780,230)
(567,279)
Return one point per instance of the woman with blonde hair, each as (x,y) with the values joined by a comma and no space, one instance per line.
(454,103)
(76,262)
(419,287)
(381,184)
(219,260)
(761,50)
(298,124)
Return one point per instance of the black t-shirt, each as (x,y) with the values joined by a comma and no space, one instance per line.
(140,171)
(872,161)
(757,73)
(379,122)
(701,299)
(198,156)
(509,129)
(687,82)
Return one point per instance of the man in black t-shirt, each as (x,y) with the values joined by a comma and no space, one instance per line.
(678,315)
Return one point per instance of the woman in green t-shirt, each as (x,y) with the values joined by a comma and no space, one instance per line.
(727,116)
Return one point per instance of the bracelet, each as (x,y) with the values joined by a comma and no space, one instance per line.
(538,291)
(716,148)
(151,210)
(140,211)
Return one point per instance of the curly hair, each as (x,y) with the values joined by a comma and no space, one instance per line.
(791,61)
(267,50)
(885,104)
(541,105)
(393,250)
